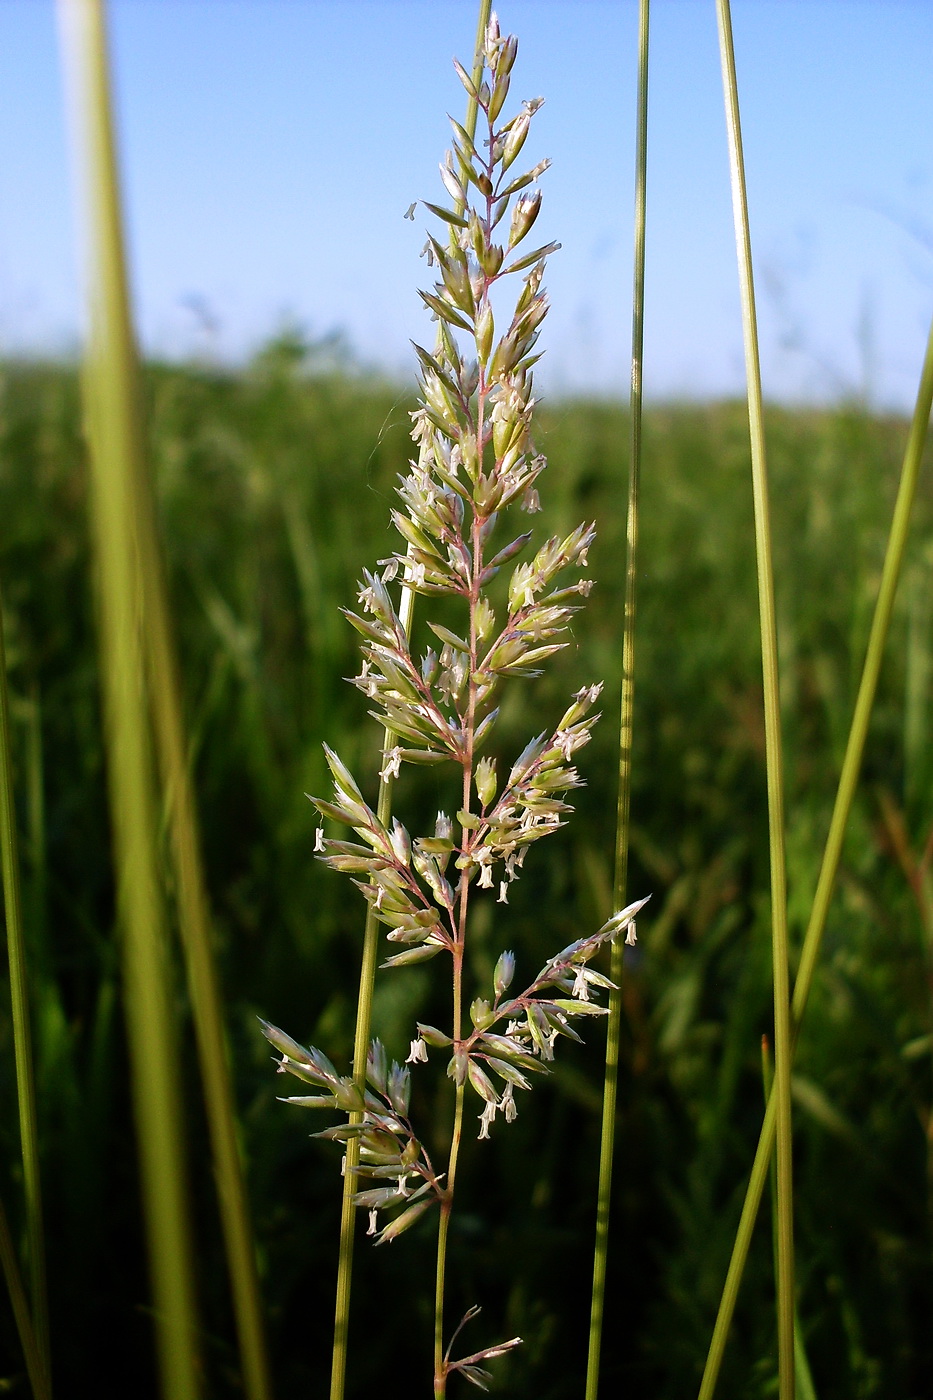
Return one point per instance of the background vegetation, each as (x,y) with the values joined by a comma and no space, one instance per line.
(274,486)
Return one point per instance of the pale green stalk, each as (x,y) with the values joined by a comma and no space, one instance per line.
(371,947)
(620,882)
(22,1047)
(805,1388)
(893,560)
(775,779)
(115,441)
(35,1362)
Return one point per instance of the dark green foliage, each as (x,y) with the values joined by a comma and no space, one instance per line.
(276,486)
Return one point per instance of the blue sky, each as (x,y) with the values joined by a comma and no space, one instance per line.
(270,147)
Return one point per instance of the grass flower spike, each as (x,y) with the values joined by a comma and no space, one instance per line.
(507,607)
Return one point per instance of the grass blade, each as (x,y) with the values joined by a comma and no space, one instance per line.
(40,1366)
(611,1078)
(845,793)
(769,657)
(194,925)
(115,441)
(370,950)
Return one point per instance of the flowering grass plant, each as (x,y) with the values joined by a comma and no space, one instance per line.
(476,464)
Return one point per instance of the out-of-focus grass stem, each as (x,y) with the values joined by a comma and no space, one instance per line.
(364,1007)
(35,1362)
(775,775)
(620,881)
(22,1046)
(855,747)
(116,446)
(194,924)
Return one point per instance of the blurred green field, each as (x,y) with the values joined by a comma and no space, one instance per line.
(275,486)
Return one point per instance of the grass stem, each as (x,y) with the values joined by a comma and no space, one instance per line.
(22,1042)
(845,793)
(35,1362)
(611,1077)
(804,1379)
(769,656)
(115,436)
(440,1368)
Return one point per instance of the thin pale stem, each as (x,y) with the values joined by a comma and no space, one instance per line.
(115,441)
(769,658)
(620,881)
(805,1388)
(22,1038)
(371,942)
(852,762)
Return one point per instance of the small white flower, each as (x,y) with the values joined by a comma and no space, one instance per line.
(503,892)
(631,938)
(373,1226)
(410,211)
(581,988)
(319,839)
(508,1104)
(418,1052)
(566,742)
(485,1120)
(403,1186)
(380,896)
(393,764)
(485,877)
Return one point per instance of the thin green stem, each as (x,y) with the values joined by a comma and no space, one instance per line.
(804,1379)
(852,762)
(371,941)
(115,440)
(769,658)
(440,1369)
(620,881)
(22,1038)
(35,1362)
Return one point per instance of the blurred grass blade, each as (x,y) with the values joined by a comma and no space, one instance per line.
(115,441)
(364,1007)
(772,706)
(40,1365)
(620,882)
(194,923)
(35,1362)
(845,793)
